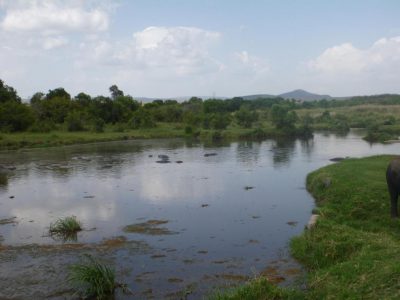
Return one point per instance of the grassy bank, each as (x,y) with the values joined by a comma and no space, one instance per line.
(353,251)
(62,137)
(17,140)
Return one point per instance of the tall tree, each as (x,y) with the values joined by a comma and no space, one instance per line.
(7,93)
(115,92)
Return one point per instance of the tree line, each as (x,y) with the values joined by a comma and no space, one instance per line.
(57,109)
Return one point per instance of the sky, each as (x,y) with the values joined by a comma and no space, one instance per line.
(226,48)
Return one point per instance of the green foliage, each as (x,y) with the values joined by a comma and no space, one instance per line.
(15,116)
(115,92)
(98,125)
(258,289)
(245,118)
(353,249)
(220,121)
(75,121)
(65,225)
(141,119)
(58,93)
(42,126)
(255,134)
(83,99)
(283,118)
(188,129)
(54,109)
(91,278)
(8,94)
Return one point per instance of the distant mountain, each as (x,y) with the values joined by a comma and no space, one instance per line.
(304,95)
(296,94)
(179,99)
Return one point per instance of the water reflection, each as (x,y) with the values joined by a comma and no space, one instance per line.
(307,146)
(248,152)
(282,151)
(108,186)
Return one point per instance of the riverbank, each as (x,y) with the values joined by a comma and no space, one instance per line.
(18,140)
(352,252)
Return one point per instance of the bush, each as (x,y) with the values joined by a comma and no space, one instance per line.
(98,125)
(74,121)
(141,119)
(42,126)
(188,130)
(15,116)
(245,118)
(220,121)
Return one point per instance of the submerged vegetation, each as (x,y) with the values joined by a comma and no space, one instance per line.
(93,279)
(150,227)
(56,118)
(65,228)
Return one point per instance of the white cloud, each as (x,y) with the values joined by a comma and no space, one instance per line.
(183,49)
(160,51)
(53,17)
(346,58)
(54,42)
(252,63)
(346,69)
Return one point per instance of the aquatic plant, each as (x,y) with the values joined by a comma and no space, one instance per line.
(91,278)
(65,228)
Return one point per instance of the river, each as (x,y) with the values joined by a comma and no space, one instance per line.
(224,212)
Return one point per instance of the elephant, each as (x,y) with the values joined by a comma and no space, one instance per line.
(393,182)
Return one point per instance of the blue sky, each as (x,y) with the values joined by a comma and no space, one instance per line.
(161,48)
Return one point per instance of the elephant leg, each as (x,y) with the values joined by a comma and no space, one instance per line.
(393,202)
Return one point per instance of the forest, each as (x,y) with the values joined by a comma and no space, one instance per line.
(58,111)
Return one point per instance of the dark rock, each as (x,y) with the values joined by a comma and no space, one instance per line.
(163,161)
(179,161)
(337,159)
(163,156)
(106,167)
(248,188)
(210,154)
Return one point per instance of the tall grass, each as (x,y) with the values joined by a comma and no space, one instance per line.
(65,228)
(92,279)
(258,289)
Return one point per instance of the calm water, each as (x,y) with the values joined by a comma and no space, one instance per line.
(111,185)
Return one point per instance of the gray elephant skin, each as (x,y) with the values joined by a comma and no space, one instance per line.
(393,182)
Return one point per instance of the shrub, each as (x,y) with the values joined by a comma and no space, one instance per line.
(74,121)
(42,126)
(98,125)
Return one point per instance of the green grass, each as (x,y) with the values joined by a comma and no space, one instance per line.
(17,140)
(92,279)
(60,137)
(353,250)
(65,228)
(258,289)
